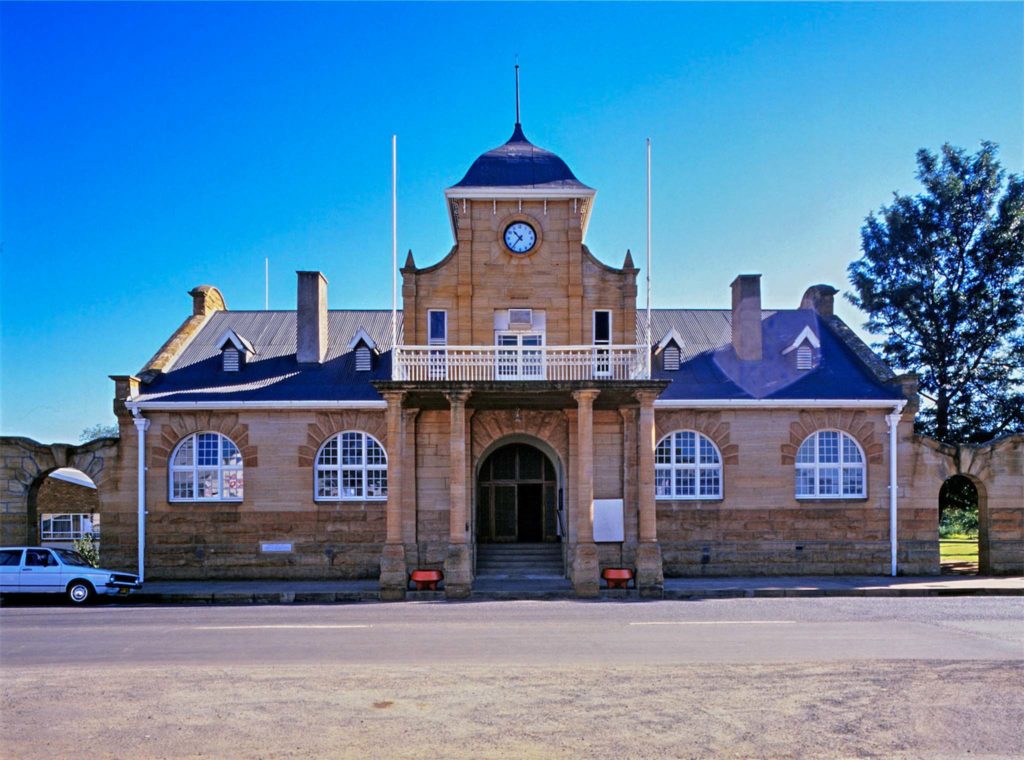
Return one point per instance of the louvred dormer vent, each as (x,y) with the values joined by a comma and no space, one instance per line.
(230,359)
(364,349)
(363,359)
(804,358)
(805,346)
(670,348)
(670,361)
(234,351)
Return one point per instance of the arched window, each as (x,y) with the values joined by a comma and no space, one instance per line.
(830,465)
(687,465)
(206,467)
(351,466)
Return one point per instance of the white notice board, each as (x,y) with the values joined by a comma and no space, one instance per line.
(608,520)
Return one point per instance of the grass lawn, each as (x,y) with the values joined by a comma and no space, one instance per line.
(958,548)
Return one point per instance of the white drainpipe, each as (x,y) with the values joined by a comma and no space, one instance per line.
(141,426)
(893,420)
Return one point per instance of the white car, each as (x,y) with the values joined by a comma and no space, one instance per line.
(38,570)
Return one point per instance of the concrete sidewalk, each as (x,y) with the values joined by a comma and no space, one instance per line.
(329,592)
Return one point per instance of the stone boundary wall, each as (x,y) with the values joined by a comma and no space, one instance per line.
(24,465)
(997,471)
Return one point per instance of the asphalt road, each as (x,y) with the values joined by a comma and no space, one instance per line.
(933,677)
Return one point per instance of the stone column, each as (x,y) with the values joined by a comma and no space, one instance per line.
(409,516)
(650,578)
(629,485)
(585,569)
(458,570)
(394,578)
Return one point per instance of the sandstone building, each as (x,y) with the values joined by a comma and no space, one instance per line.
(527,408)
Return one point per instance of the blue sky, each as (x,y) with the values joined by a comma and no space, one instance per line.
(150,148)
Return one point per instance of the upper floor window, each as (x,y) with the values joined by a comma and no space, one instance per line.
(830,465)
(351,466)
(206,467)
(687,465)
(437,327)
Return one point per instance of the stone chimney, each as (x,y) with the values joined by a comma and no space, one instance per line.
(311,319)
(206,299)
(746,317)
(820,298)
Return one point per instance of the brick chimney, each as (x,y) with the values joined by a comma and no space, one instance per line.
(311,319)
(746,317)
(821,298)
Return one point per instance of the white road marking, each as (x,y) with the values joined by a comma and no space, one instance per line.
(717,622)
(298,626)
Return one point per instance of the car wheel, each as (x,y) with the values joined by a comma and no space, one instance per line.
(80,592)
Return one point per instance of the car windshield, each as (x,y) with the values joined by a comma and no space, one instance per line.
(69,557)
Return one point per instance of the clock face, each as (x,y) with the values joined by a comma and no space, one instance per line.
(520,237)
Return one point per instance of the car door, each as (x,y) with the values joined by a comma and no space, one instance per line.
(10,569)
(40,572)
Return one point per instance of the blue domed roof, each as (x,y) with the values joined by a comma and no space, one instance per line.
(520,163)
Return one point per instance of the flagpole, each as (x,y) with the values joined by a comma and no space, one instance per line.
(394,243)
(648,254)
(266,283)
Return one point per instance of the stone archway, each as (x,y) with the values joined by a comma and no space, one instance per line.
(25,464)
(517,493)
(996,469)
(956,551)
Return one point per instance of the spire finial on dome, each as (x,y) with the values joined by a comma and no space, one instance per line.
(517,89)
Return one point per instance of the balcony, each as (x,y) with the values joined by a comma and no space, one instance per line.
(519,363)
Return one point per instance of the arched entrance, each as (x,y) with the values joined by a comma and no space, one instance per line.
(517,496)
(963,526)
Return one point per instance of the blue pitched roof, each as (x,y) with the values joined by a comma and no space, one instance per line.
(520,163)
(273,374)
(708,370)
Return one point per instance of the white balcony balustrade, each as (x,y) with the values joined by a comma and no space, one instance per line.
(506,363)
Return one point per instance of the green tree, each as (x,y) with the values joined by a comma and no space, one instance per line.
(98,430)
(942,281)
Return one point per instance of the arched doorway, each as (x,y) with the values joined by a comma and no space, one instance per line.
(963,526)
(63,507)
(517,496)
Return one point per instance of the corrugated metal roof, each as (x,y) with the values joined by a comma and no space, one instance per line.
(702,330)
(272,333)
(708,370)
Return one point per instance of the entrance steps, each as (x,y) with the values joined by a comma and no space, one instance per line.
(520,560)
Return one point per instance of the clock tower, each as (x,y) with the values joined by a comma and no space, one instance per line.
(519,270)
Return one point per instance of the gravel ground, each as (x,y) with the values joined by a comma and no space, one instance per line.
(864,709)
(929,678)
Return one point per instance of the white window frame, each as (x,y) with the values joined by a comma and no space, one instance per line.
(77,526)
(442,341)
(528,361)
(221,470)
(602,356)
(337,469)
(697,467)
(816,466)
(438,369)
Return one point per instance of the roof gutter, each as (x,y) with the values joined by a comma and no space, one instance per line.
(167,406)
(754,403)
